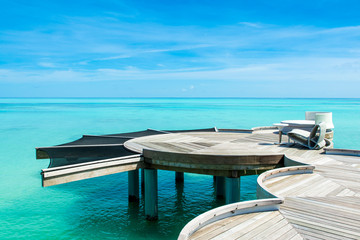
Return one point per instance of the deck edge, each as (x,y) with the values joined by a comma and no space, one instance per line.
(229,210)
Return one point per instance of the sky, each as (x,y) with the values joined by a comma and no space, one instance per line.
(117,48)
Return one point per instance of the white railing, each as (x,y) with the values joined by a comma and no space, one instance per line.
(228,211)
(267,201)
(264,192)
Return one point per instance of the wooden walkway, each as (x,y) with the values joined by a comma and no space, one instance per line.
(306,203)
(263,225)
(324,204)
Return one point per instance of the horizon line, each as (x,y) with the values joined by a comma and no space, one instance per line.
(181,97)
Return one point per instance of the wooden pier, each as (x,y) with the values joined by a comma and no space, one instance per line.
(319,200)
(302,193)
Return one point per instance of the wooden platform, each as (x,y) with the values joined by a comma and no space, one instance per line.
(229,154)
(260,225)
(321,201)
(226,152)
(324,204)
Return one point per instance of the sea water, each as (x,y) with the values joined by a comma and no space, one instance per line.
(98,208)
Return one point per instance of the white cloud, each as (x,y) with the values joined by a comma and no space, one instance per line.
(179,48)
(256,52)
(46,64)
(287,69)
(7,75)
(190,88)
(112,58)
(352,29)
(251,24)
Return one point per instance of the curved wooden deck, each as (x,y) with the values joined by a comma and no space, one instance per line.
(326,203)
(259,225)
(230,154)
(323,203)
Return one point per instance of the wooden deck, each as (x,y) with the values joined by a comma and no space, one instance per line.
(260,225)
(324,204)
(316,195)
(229,154)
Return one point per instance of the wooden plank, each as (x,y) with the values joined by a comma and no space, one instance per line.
(297,237)
(258,229)
(279,185)
(246,225)
(289,234)
(271,232)
(322,225)
(329,206)
(134,157)
(336,218)
(58,171)
(323,229)
(310,233)
(89,171)
(250,161)
(314,189)
(276,234)
(218,227)
(293,183)
(350,202)
(316,204)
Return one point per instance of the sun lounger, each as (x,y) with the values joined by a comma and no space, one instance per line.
(312,140)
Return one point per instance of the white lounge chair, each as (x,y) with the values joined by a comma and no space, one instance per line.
(312,140)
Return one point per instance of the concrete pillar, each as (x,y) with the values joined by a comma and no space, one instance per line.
(220,187)
(142,181)
(133,185)
(179,176)
(151,194)
(179,186)
(232,189)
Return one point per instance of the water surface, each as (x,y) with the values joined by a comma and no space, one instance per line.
(98,208)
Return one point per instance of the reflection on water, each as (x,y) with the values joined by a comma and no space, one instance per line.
(103,209)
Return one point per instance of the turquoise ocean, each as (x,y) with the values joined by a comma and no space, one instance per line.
(98,208)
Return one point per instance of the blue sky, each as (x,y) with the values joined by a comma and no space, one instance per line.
(180,48)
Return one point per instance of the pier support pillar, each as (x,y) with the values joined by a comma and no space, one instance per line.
(179,186)
(142,181)
(232,187)
(151,194)
(179,176)
(133,185)
(220,187)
